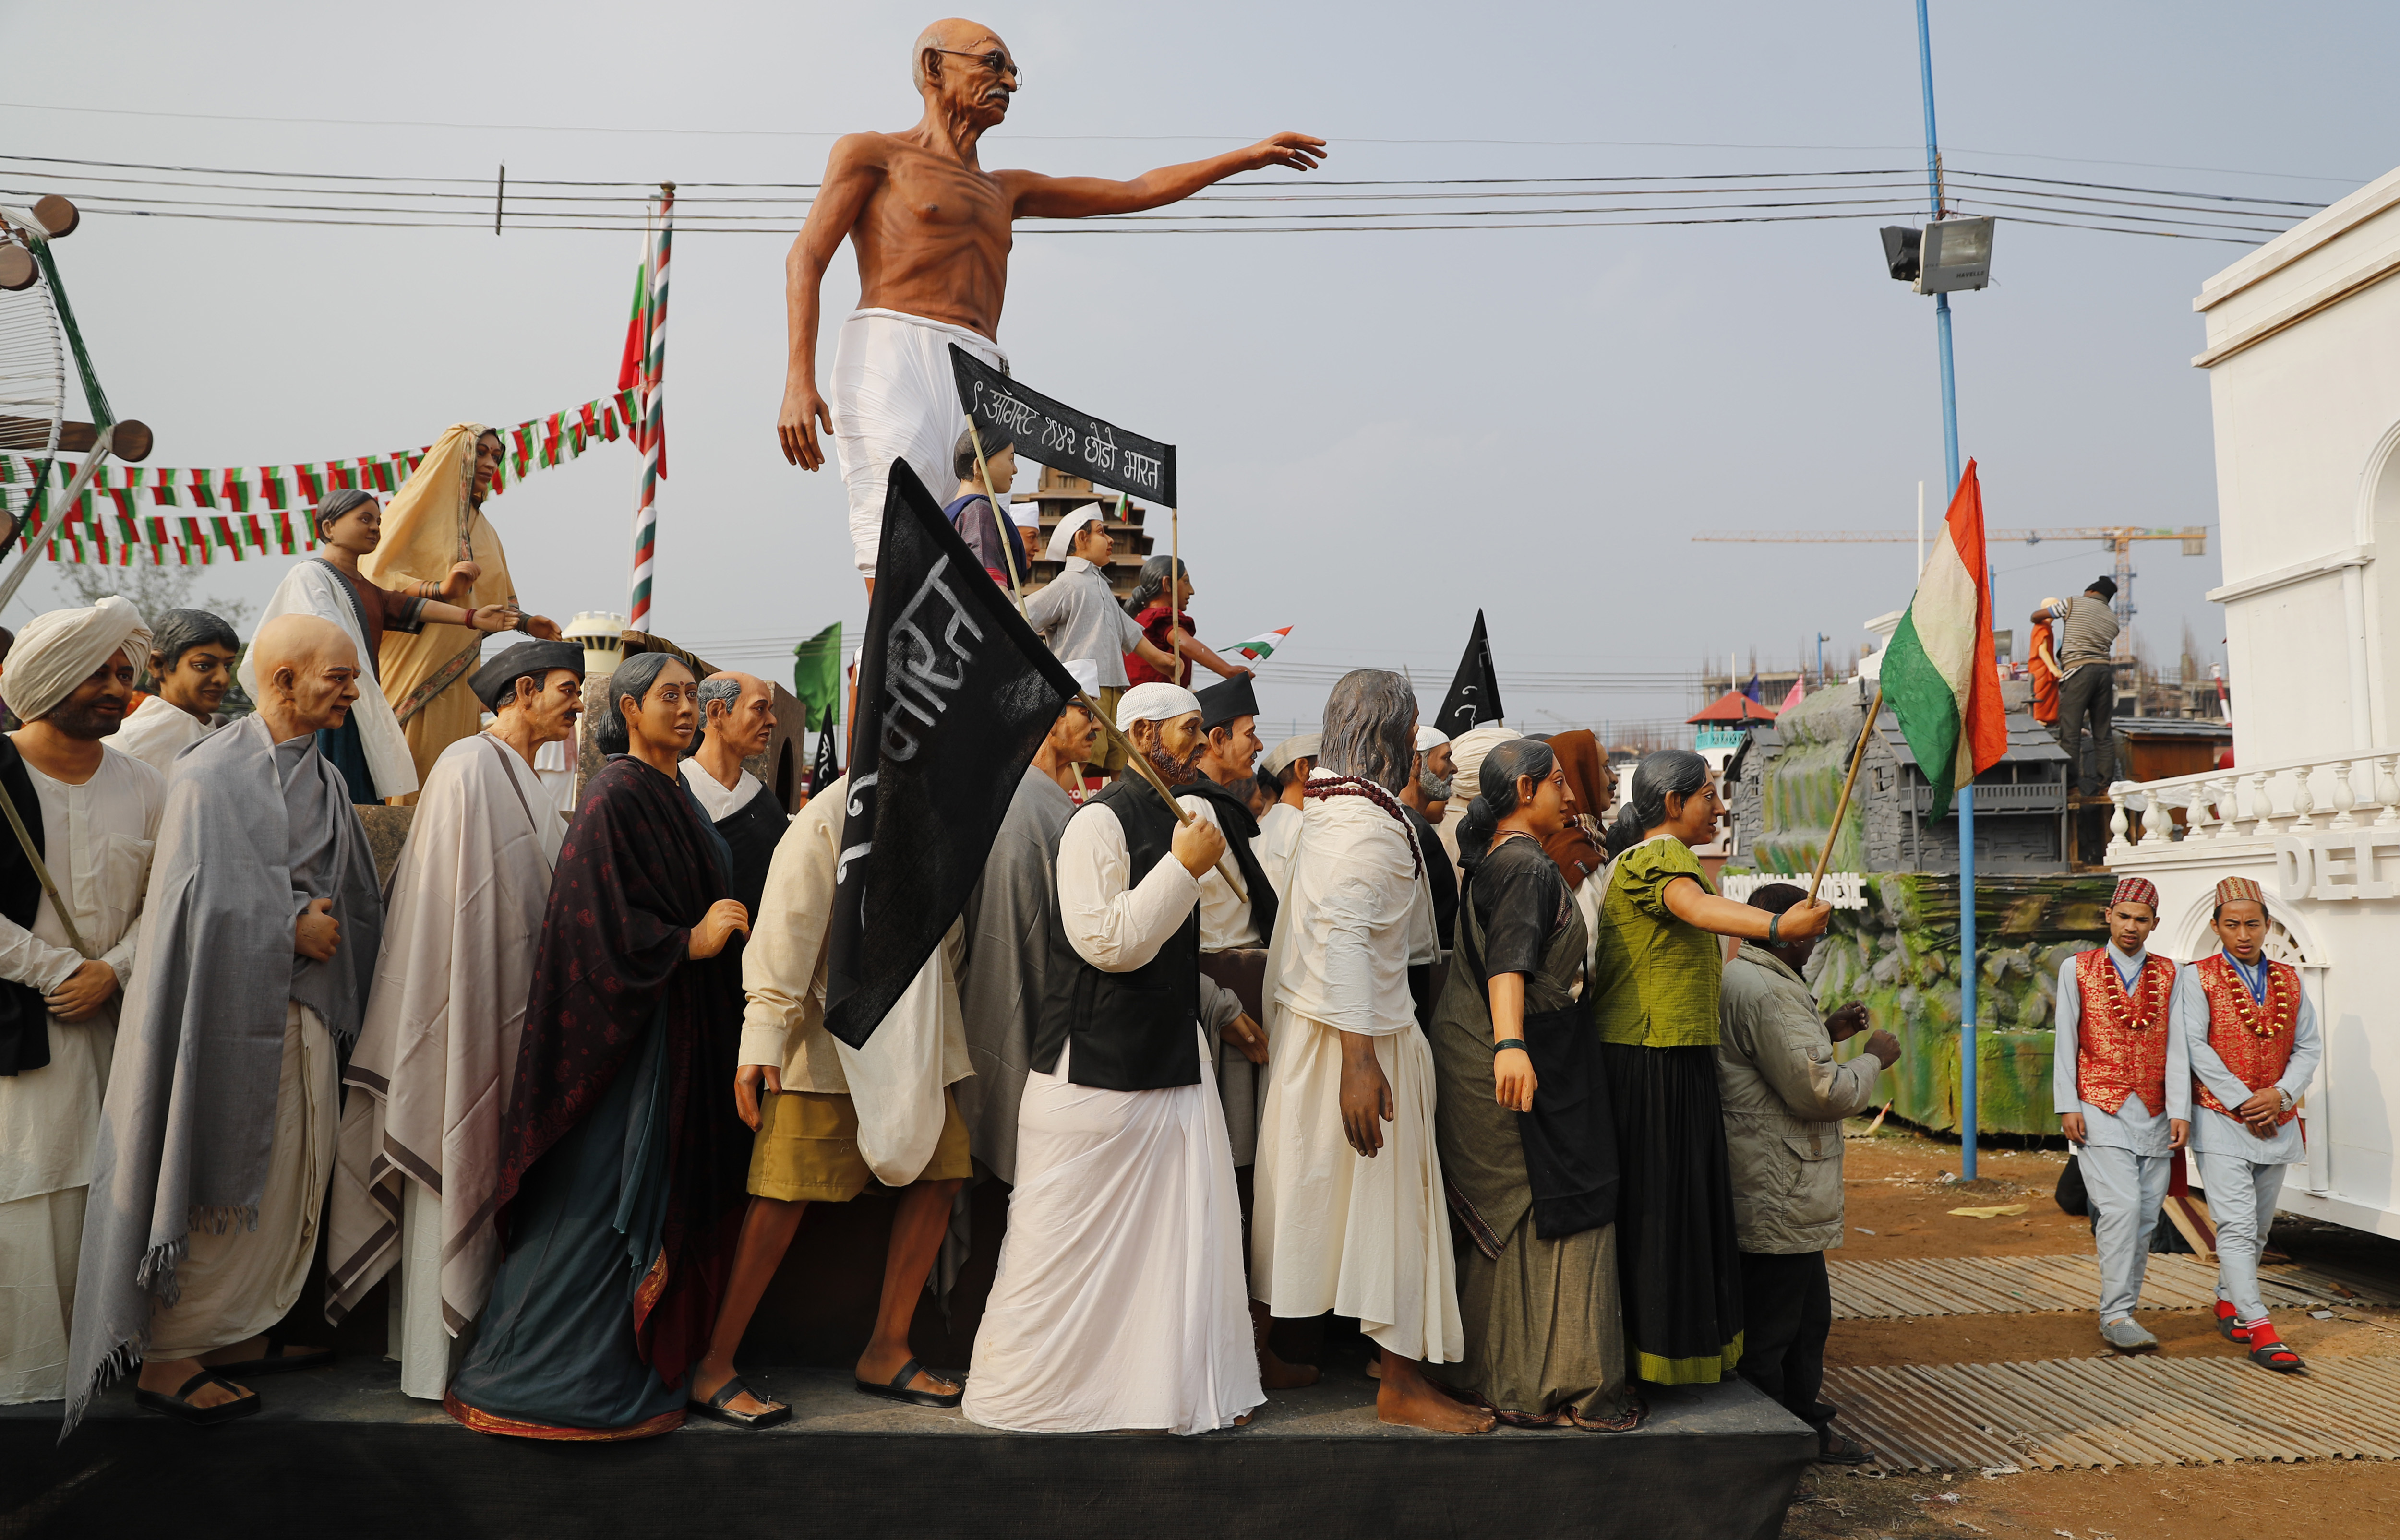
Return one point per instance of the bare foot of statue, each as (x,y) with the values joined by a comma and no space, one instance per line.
(1406,1400)
(165,1376)
(1274,1373)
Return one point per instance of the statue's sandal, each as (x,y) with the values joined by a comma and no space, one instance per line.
(898,1389)
(179,1405)
(719,1408)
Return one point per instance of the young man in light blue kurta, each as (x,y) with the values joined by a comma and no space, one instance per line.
(2251,1033)
(2121,1084)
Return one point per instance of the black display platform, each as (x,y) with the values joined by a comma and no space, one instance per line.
(340,1454)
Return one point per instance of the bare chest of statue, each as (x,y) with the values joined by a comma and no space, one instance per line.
(933,241)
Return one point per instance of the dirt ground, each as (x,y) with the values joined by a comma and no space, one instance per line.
(1901,1187)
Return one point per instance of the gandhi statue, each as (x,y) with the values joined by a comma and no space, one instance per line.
(931,230)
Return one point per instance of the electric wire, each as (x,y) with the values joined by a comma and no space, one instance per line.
(1269,206)
(1171,138)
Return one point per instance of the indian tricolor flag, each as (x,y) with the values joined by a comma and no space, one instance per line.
(1939,675)
(1262,647)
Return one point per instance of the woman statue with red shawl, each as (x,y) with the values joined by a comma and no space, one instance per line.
(621,1169)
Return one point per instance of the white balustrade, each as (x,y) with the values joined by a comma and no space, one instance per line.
(2256,803)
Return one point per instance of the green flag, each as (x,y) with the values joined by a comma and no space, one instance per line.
(816,675)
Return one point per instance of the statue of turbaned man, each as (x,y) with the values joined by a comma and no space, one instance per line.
(931,229)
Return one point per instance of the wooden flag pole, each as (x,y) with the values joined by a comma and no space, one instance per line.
(1175,593)
(1140,761)
(1858,758)
(1007,546)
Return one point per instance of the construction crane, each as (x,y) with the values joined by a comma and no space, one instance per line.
(2118,538)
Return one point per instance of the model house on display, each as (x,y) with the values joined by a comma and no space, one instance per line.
(2301,337)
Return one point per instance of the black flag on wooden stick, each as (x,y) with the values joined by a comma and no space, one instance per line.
(955,693)
(1474,697)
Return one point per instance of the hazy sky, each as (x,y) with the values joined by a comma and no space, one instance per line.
(1378,432)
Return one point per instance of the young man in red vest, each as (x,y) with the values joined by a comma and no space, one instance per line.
(2252,1036)
(2122,1084)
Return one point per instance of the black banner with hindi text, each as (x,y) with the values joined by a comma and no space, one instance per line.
(1056,435)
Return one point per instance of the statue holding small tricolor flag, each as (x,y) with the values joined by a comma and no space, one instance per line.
(1259,648)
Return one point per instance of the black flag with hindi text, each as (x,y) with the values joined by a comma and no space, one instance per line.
(955,694)
(1474,697)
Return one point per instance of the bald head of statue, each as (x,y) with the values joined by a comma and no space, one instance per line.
(307,675)
(738,710)
(965,72)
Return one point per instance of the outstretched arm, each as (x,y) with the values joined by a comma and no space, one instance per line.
(1038,197)
(1203,654)
(852,172)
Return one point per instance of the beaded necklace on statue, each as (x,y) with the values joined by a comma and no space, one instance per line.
(1322,786)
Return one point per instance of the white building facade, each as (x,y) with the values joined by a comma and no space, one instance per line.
(2303,355)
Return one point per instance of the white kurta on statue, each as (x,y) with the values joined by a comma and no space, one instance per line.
(1118,1302)
(1331,1228)
(97,842)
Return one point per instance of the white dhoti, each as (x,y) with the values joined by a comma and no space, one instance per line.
(414,1329)
(1333,1230)
(40,1238)
(895,397)
(1119,1301)
(238,1284)
(48,1119)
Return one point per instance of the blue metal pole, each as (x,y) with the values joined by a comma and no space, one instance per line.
(1968,1118)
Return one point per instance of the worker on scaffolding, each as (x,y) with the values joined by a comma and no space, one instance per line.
(2087,690)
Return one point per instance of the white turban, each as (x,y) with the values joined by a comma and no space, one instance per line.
(1088,675)
(1430,739)
(59,651)
(1466,751)
(1154,703)
(1062,539)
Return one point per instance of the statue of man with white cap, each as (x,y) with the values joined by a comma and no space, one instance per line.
(1078,616)
(1283,774)
(1119,1301)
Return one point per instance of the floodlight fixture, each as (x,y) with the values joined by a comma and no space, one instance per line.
(1955,254)
(1940,258)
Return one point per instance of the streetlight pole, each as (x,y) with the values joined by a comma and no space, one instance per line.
(1968,1118)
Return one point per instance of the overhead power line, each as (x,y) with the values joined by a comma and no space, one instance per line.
(1260,206)
(1158,138)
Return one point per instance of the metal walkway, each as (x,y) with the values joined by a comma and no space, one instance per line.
(2118,1412)
(1975,1285)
